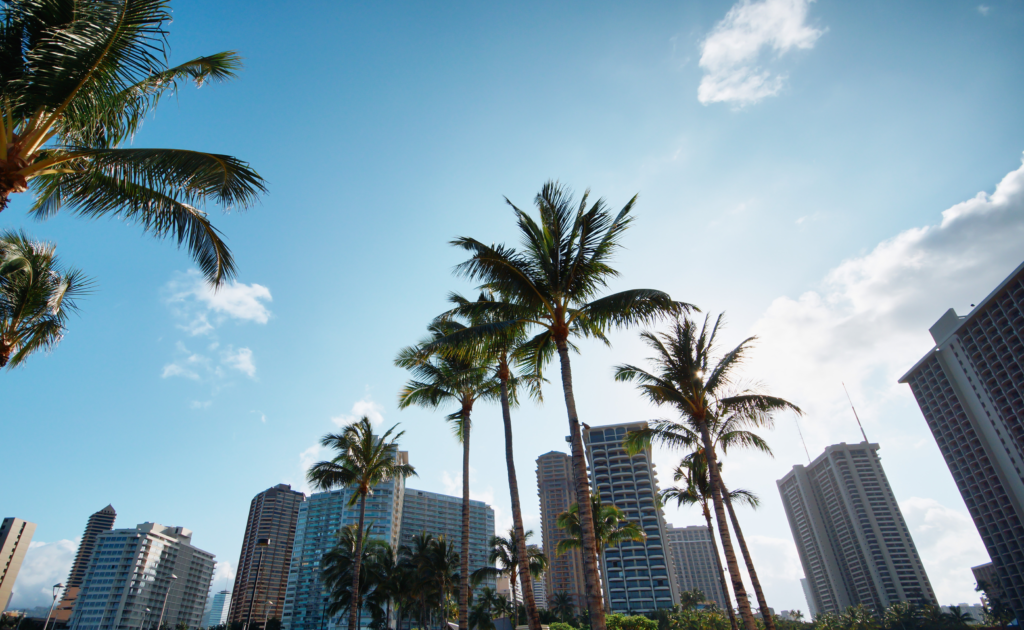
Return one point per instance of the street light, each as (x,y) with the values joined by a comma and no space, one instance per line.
(164,607)
(145,618)
(262,543)
(266,613)
(56,590)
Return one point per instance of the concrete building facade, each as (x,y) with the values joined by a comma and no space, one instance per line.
(636,575)
(133,570)
(441,515)
(853,542)
(556,493)
(692,550)
(99,522)
(218,613)
(321,517)
(273,514)
(970,388)
(15,536)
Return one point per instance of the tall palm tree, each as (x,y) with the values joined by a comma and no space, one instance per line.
(554,284)
(361,461)
(76,81)
(690,378)
(725,433)
(444,378)
(503,348)
(340,562)
(562,605)
(697,491)
(504,559)
(36,297)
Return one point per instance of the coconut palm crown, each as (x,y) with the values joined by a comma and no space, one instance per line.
(36,297)
(77,79)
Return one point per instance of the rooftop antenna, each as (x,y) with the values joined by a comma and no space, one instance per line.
(797,421)
(854,412)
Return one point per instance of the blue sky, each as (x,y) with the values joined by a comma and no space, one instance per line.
(811,169)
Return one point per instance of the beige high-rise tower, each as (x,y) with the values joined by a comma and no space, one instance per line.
(554,486)
(15,535)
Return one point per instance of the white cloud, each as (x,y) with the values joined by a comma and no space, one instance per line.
(984,9)
(948,544)
(307,458)
(363,407)
(240,360)
(45,564)
(868,322)
(200,404)
(731,54)
(187,365)
(223,573)
(196,302)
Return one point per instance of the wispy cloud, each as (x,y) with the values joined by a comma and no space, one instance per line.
(735,54)
(948,543)
(240,360)
(198,366)
(366,406)
(203,308)
(984,9)
(45,564)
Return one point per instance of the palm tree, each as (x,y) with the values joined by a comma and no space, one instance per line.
(689,377)
(77,80)
(697,491)
(563,606)
(36,297)
(443,377)
(340,562)
(610,526)
(726,433)
(554,284)
(689,600)
(362,461)
(505,554)
(502,348)
(959,617)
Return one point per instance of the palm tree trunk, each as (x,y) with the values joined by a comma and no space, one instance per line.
(721,572)
(532,617)
(723,530)
(353,615)
(464,560)
(769,623)
(595,604)
(515,605)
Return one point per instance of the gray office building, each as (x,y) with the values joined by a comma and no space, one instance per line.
(134,572)
(854,545)
(970,388)
(694,565)
(636,575)
(441,515)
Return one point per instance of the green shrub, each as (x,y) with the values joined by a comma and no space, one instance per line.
(558,625)
(618,621)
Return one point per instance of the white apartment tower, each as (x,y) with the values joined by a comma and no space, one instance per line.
(854,545)
(133,572)
(636,575)
(15,536)
(694,562)
(970,388)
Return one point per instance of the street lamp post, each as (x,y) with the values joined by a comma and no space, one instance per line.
(164,607)
(145,618)
(266,613)
(56,591)
(262,543)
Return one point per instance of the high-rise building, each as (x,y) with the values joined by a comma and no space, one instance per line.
(15,536)
(556,493)
(102,521)
(854,545)
(218,613)
(321,518)
(694,566)
(636,574)
(273,514)
(970,388)
(135,572)
(441,515)
(540,592)
(809,596)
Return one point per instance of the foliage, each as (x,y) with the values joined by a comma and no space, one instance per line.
(558,625)
(610,526)
(273,624)
(77,80)
(618,621)
(503,560)
(563,605)
(36,297)
(694,619)
(691,599)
